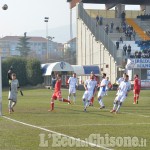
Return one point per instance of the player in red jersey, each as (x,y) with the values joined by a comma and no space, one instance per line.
(136,88)
(57,93)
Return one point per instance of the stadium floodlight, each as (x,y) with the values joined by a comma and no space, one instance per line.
(0,87)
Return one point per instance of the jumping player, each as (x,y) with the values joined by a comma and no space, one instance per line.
(90,86)
(73,82)
(124,88)
(57,93)
(136,88)
(102,91)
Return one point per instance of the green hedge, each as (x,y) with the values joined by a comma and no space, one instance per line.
(28,71)
(34,72)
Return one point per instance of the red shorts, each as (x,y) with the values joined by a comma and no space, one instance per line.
(56,95)
(137,91)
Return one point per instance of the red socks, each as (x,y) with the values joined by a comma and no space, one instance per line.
(52,105)
(65,100)
(134,99)
(92,100)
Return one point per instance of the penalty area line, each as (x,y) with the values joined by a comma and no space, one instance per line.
(81,125)
(64,135)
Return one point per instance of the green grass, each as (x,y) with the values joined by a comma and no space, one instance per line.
(133,120)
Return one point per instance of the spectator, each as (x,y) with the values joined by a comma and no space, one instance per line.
(112,26)
(125,49)
(124,28)
(123,16)
(121,39)
(134,34)
(129,35)
(126,34)
(97,20)
(136,54)
(106,28)
(139,54)
(117,45)
(129,50)
(101,20)
(118,29)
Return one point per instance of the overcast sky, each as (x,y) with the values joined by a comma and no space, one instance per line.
(28,15)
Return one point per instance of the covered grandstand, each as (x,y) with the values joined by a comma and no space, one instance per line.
(95,46)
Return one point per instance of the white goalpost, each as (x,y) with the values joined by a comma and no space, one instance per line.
(0,87)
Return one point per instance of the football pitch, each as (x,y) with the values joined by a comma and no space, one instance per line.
(32,127)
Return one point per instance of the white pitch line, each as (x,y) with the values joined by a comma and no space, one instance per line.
(137,114)
(64,135)
(126,124)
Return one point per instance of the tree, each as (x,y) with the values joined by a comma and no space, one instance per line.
(28,71)
(23,47)
(34,72)
(19,67)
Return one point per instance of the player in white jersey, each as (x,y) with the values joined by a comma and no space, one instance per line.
(96,79)
(120,80)
(124,88)
(102,91)
(107,85)
(73,82)
(90,86)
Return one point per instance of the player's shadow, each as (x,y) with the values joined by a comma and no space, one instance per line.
(88,111)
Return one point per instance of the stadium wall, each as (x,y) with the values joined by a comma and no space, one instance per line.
(92,52)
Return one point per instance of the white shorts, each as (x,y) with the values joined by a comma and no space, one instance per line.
(101,93)
(121,98)
(87,95)
(107,88)
(72,90)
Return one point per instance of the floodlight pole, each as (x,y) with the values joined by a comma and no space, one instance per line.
(46,19)
(49,40)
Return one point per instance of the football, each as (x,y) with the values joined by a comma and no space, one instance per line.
(5,7)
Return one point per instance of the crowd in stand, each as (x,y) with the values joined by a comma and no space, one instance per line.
(108,28)
(144,45)
(127,30)
(145,50)
(141,54)
(144,17)
(129,34)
